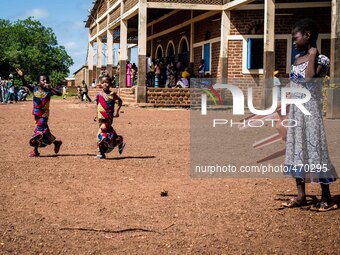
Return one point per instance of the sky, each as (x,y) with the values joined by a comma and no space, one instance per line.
(65,17)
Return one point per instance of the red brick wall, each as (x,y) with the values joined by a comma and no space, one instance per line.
(207,26)
(168,97)
(235,59)
(243,21)
(174,36)
(197,58)
(176,19)
(215,55)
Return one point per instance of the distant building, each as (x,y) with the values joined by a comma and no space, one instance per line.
(70,81)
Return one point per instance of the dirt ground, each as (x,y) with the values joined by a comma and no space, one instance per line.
(44,199)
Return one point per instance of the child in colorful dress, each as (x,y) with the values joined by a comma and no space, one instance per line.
(307,158)
(42,93)
(107,136)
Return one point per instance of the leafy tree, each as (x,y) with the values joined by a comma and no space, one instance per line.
(34,48)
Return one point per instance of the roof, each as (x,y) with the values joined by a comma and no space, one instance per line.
(84,66)
(92,13)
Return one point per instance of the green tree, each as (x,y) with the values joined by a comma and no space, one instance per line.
(34,48)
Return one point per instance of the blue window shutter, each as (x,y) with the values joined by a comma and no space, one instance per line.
(207,57)
(249,41)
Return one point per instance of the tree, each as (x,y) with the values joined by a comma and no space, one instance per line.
(34,48)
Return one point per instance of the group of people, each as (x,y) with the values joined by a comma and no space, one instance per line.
(82,92)
(306,143)
(9,93)
(168,74)
(42,136)
(159,74)
(131,74)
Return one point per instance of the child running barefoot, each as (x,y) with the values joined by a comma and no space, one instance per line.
(42,93)
(307,158)
(107,136)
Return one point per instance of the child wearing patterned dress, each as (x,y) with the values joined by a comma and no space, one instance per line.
(107,136)
(306,144)
(42,93)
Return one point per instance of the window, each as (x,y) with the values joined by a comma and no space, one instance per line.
(159,52)
(170,52)
(255,53)
(206,56)
(183,55)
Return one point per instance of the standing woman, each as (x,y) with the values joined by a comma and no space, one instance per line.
(157,74)
(307,158)
(128,74)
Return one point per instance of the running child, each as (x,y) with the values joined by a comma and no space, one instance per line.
(42,93)
(107,136)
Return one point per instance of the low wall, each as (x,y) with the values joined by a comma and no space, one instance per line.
(168,97)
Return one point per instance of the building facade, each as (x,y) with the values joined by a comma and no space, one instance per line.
(240,39)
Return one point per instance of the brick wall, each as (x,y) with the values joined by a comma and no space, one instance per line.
(165,39)
(235,59)
(208,29)
(176,19)
(243,21)
(197,58)
(215,56)
(168,97)
(79,77)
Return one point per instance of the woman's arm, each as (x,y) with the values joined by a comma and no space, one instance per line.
(311,68)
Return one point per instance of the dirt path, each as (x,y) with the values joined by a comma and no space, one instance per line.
(41,196)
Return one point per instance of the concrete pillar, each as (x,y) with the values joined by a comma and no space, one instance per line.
(109,52)
(192,33)
(123,53)
(225,32)
(142,40)
(99,56)
(89,77)
(129,54)
(333,95)
(269,55)
(335,41)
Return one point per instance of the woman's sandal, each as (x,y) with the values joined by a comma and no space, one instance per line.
(294,202)
(324,206)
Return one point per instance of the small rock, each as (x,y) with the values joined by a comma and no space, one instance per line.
(164,193)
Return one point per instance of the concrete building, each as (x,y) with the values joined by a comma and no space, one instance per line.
(220,31)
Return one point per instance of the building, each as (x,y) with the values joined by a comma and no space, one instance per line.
(223,33)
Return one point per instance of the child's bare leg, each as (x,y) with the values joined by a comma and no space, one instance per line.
(102,151)
(57,145)
(35,145)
